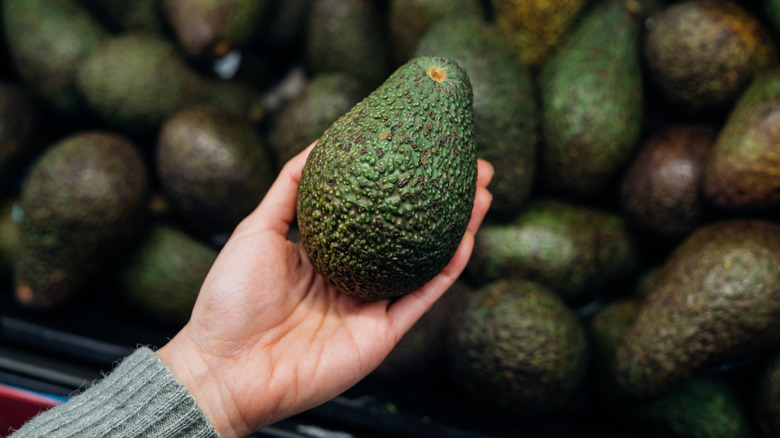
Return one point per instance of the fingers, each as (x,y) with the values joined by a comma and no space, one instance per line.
(484,173)
(277,209)
(482,198)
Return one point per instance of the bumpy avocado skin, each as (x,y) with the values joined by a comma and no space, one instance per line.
(47,39)
(506,115)
(387,192)
(702,54)
(81,201)
(135,80)
(703,406)
(209,29)
(325,98)
(213,167)
(533,27)
(347,36)
(517,349)
(592,101)
(715,299)
(742,172)
(661,191)
(163,273)
(575,250)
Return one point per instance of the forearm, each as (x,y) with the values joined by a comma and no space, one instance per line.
(140,397)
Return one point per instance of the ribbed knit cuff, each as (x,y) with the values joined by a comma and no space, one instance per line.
(140,398)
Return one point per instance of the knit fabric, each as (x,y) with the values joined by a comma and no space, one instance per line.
(140,398)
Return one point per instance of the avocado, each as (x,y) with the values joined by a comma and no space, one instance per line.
(135,80)
(347,36)
(324,99)
(409,20)
(517,350)
(506,116)
(163,272)
(701,54)
(20,121)
(47,40)
(715,299)
(702,406)
(9,239)
(592,101)
(661,191)
(766,395)
(419,358)
(576,250)
(124,16)
(81,202)
(740,173)
(387,192)
(533,27)
(209,29)
(213,168)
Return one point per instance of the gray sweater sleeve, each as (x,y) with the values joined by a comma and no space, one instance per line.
(140,398)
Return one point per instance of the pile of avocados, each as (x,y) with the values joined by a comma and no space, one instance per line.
(626,277)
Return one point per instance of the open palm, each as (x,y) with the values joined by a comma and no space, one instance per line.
(269,338)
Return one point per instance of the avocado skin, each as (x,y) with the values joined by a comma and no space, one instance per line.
(661,191)
(213,168)
(82,200)
(46,41)
(575,250)
(163,273)
(123,16)
(9,240)
(347,36)
(702,406)
(592,101)
(715,299)
(209,29)
(387,192)
(506,116)
(702,54)
(324,99)
(742,172)
(533,28)
(516,349)
(20,122)
(133,81)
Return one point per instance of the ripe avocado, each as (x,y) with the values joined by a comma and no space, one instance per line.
(81,201)
(715,299)
(47,40)
(213,168)
(661,191)
(506,116)
(701,54)
(387,192)
(592,101)
(163,273)
(516,349)
(742,172)
(577,251)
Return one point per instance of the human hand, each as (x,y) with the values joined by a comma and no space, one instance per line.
(269,338)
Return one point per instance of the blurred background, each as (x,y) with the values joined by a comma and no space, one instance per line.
(626,282)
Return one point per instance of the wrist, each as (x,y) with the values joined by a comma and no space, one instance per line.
(196,374)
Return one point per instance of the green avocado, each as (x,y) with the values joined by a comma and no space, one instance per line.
(163,272)
(517,349)
(47,40)
(741,173)
(576,250)
(506,116)
(701,54)
(81,202)
(387,192)
(661,191)
(135,80)
(592,101)
(213,168)
(715,299)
